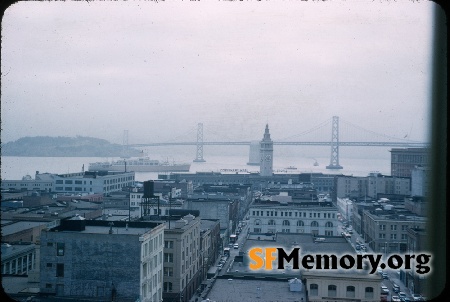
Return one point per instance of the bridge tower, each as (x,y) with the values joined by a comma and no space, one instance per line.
(334,159)
(199,155)
(266,154)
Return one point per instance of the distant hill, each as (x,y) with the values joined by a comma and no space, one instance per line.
(64,146)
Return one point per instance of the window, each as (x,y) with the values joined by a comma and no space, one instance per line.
(271,222)
(168,244)
(48,285)
(329,224)
(300,223)
(257,230)
(144,270)
(314,224)
(285,230)
(393,227)
(331,290)
(382,227)
(68,182)
(60,270)
(393,236)
(382,236)
(144,290)
(168,257)
(257,222)
(168,271)
(286,222)
(49,265)
(60,249)
(314,289)
(369,293)
(350,292)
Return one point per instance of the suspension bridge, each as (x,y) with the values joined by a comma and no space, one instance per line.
(368,138)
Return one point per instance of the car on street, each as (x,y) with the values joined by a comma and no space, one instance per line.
(236,246)
(395,299)
(417,297)
(384,289)
(385,276)
(395,287)
(405,299)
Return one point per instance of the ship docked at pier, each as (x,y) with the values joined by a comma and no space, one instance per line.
(140,164)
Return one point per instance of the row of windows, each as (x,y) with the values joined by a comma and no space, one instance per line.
(393,227)
(300,223)
(299,231)
(296,214)
(332,291)
(69,182)
(153,244)
(393,236)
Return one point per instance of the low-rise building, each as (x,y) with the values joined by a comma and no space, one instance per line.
(317,218)
(81,183)
(18,259)
(386,229)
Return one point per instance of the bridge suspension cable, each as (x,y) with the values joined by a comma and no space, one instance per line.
(379,135)
(313,129)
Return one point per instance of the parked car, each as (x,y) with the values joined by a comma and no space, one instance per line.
(236,246)
(384,289)
(395,288)
(395,299)
(385,276)
(417,297)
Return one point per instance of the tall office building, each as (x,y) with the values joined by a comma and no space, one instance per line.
(404,160)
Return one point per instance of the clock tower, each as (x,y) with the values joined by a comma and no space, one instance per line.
(266,154)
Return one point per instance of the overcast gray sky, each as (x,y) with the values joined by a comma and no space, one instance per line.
(157,69)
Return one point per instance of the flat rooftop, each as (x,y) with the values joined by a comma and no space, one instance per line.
(103,227)
(20,226)
(332,244)
(253,290)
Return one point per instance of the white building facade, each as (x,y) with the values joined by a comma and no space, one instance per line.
(274,218)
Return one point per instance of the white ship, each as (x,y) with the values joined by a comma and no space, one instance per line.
(140,164)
